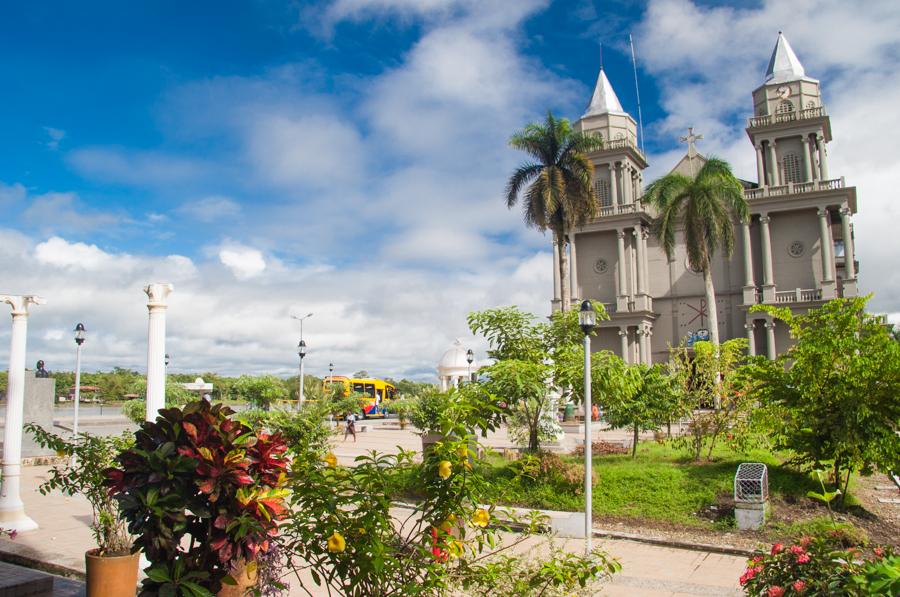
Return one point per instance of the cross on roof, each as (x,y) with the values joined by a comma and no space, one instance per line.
(690,139)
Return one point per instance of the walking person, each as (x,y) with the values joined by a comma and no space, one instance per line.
(351,427)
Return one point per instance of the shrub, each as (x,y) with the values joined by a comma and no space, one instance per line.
(303,432)
(260,391)
(811,566)
(197,472)
(176,395)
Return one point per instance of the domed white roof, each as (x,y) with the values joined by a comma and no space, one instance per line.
(454,362)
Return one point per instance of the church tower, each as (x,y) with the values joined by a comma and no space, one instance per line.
(614,270)
(801,228)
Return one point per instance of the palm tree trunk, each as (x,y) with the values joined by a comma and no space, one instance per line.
(565,288)
(711,307)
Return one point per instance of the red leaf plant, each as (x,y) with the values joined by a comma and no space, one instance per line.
(202,493)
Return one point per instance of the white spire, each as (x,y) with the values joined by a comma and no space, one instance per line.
(784,65)
(604,100)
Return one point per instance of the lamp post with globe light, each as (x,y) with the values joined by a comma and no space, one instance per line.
(79,340)
(587,319)
(301,352)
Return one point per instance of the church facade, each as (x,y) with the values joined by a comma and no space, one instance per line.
(797,250)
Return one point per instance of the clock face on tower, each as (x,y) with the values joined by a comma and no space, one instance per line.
(693,316)
(783,92)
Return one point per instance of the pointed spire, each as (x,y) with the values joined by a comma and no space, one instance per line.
(604,100)
(784,65)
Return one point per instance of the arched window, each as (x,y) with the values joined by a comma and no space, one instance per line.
(790,165)
(601,190)
(784,107)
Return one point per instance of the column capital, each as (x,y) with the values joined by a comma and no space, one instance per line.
(623,331)
(804,139)
(823,212)
(748,326)
(157,293)
(770,325)
(21,302)
(620,233)
(764,219)
(845,211)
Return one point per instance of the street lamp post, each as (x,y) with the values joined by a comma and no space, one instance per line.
(587,319)
(79,340)
(301,350)
(470,356)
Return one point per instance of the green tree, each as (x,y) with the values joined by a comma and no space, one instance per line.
(652,402)
(705,207)
(260,391)
(833,396)
(557,183)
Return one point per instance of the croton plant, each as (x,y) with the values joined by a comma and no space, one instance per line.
(202,493)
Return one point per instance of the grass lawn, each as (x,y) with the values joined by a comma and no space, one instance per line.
(661,483)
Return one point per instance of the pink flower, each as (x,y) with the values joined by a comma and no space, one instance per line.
(797,550)
(777,548)
(803,559)
(805,541)
(775,591)
(799,586)
(13,534)
(748,575)
(878,551)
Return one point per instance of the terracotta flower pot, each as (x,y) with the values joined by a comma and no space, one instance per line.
(246,576)
(111,576)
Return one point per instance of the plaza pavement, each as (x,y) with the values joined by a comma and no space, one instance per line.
(648,570)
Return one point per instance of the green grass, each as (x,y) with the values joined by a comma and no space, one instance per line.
(659,484)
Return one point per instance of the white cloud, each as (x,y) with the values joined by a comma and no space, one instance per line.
(211,208)
(244,262)
(12,196)
(136,167)
(58,252)
(64,211)
(56,135)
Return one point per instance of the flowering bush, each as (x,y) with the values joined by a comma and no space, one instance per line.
(811,566)
(196,472)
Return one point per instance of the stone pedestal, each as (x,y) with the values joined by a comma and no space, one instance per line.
(750,516)
(38,409)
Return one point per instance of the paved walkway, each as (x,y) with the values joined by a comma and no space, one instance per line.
(648,570)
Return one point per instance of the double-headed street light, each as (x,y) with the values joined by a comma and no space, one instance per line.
(301,351)
(79,340)
(587,319)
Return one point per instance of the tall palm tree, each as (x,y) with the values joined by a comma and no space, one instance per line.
(705,207)
(558,180)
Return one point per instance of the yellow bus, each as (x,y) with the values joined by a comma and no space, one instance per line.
(379,392)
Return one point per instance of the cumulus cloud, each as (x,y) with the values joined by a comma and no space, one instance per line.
(57,252)
(244,262)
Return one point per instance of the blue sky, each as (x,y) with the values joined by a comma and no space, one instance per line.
(347,157)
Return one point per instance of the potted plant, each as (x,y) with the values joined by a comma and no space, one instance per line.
(111,567)
(202,494)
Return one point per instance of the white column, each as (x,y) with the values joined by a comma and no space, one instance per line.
(774,179)
(648,345)
(823,159)
(613,184)
(770,340)
(12,509)
(557,287)
(748,255)
(807,162)
(642,347)
(751,341)
(760,166)
(623,276)
(639,245)
(627,189)
(623,342)
(573,267)
(849,249)
(156,347)
(766,241)
(825,241)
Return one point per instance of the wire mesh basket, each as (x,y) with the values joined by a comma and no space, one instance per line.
(751,483)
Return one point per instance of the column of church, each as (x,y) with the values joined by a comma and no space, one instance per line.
(623,342)
(573,267)
(627,189)
(849,249)
(823,160)
(766,242)
(751,340)
(774,179)
(613,184)
(622,296)
(807,159)
(760,165)
(827,256)
(770,340)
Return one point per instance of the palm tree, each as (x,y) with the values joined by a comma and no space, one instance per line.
(558,195)
(705,207)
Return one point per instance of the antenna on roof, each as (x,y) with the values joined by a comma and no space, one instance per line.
(637,91)
(601,55)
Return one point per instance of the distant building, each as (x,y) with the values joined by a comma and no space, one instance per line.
(454,367)
(797,251)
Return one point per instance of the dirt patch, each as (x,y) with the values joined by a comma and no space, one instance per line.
(602,448)
(881,521)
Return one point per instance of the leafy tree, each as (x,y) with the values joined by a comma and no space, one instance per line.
(833,396)
(705,207)
(176,395)
(362,374)
(653,401)
(558,196)
(261,391)
(709,390)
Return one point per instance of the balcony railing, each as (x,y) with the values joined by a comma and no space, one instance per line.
(794,188)
(612,210)
(780,117)
(798,295)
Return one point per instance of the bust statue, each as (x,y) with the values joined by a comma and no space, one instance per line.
(41,372)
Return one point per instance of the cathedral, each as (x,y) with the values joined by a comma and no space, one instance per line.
(796,251)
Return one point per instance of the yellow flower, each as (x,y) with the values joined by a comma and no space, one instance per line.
(444,469)
(448,523)
(336,543)
(330,459)
(481,518)
(463,451)
(456,549)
